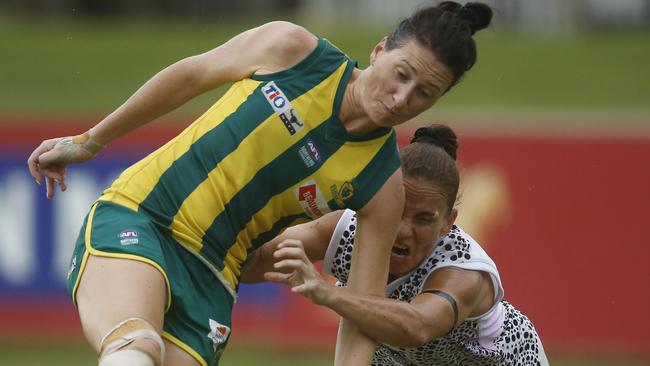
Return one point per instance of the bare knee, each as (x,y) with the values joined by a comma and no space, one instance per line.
(132,342)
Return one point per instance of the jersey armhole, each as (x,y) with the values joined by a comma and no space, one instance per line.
(344,221)
(479,267)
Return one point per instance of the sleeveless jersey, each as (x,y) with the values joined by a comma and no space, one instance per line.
(272,152)
(502,336)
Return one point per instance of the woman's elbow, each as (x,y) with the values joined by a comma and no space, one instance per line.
(420,337)
(414,336)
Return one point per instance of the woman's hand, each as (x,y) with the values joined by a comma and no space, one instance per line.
(297,272)
(51,159)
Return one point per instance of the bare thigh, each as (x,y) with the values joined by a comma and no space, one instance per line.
(112,290)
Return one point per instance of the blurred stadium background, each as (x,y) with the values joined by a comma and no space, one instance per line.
(554,123)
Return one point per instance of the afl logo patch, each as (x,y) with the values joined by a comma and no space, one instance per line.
(282,107)
(128,237)
(309,154)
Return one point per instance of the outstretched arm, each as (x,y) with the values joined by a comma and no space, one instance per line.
(314,236)
(271,47)
(426,317)
(402,324)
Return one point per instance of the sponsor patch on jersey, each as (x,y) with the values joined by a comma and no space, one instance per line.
(128,237)
(312,200)
(343,193)
(309,154)
(218,333)
(282,107)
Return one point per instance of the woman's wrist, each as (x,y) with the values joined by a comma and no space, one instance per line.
(87,143)
(326,294)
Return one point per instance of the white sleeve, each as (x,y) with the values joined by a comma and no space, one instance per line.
(459,249)
(340,246)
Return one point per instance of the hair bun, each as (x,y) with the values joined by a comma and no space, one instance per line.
(439,135)
(477,15)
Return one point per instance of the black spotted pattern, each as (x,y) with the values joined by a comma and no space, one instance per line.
(518,344)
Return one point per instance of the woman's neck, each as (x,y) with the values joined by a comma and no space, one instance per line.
(354,118)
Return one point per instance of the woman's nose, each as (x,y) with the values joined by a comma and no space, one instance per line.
(401,96)
(404,230)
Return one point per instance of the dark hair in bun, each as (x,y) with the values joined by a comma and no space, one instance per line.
(432,156)
(440,135)
(476,15)
(447,30)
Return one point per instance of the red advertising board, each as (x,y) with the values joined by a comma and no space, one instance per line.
(562,216)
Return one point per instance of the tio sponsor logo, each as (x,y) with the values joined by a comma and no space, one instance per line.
(282,107)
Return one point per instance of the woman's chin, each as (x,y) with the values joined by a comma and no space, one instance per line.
(397,267)
(383,118)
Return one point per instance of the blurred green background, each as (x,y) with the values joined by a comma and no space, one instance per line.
(89,67)
(588,78)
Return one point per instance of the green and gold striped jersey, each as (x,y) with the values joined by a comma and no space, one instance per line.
(272,152)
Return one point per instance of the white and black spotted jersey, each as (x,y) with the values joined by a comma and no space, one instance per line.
(502,336)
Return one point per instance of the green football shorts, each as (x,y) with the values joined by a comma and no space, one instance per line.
(198,312)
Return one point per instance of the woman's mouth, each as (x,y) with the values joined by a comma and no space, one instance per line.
(400,250)
(388,109)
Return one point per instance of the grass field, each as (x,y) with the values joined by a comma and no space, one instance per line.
(80,355)
(91,67)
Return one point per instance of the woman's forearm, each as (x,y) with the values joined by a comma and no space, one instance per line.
(385,320)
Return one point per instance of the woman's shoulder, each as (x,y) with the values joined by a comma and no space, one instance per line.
(274,46)
(289,33)
(458,248)
(291,41)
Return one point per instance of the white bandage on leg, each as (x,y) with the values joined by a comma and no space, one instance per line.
(127,357)
(125,333)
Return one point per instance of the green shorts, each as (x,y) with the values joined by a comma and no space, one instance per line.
(198,312)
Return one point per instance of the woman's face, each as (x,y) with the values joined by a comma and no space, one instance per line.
(402,83)
(424,220)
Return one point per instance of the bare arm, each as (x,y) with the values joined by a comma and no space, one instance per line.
(426,317)
(271,47)
(314,236)
(376,230)
(390,321)
(377,227)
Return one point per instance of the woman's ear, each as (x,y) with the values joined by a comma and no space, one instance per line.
(450,221)
(379,48)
